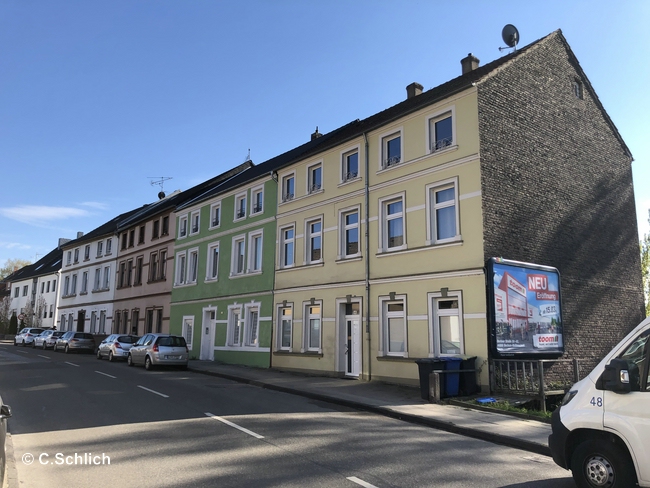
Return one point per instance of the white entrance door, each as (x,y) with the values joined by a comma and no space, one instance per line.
(352,345)
(207,335)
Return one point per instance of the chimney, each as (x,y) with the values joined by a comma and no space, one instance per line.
(63,240)
(316,134)
(470,63)
(413,90)
(80,234)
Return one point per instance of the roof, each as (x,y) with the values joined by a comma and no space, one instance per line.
(48,264)
(107,228)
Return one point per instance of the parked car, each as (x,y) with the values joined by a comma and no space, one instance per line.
(116,346)
(26,336)
(159,350)
(5,413)
(75,341)
(41,340)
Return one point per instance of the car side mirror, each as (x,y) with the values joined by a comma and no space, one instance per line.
(619,376)
(5,412)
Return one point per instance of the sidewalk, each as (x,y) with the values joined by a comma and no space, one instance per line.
(398,402)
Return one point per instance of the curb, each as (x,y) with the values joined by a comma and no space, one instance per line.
(11,473)
(388,412)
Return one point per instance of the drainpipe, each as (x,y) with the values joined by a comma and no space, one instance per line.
(367,239)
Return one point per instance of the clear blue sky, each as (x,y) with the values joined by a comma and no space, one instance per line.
(98,96)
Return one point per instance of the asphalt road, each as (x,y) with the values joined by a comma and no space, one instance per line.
(73,415)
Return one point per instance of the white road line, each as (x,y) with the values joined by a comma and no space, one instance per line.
(356,480)
(41,356)
(227,422)
(23,352)
(106,374)
(153,391)
(72,364)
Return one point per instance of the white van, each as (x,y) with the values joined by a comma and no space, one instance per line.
(601,432)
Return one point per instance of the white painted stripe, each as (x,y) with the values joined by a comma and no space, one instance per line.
(24,352)
(105,374)
(470,195)
(227,422)
(356,480)
(153,391)
(415,208)
(474,316)
(418,317)
(41,356)
(72,364)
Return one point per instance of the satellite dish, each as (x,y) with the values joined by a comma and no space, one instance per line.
(161,195)
(510,35)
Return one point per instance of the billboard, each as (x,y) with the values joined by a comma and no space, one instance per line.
(525,313)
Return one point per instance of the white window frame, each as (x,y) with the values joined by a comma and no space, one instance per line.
(309,236)
(306,326)
(432,207)
(434,314)
(87,252)
(183,226)
(285,195)
(84,282)
(68,260)
(109,246)
(73,284)
(215,207)
(383,222)
(181,268)
(107,278)
(254,210)
(347,175)
(100,249)
(284,264)
(238,243)
(252,335)
(98,279)
(195,223)
(384,139)
(240,210)
(188,329)
(192,266)
(252,251)
(93,322)
(281,307)
(102,321)
(430,128)
(210,262)
(343,228)
(312,186)
(384,318)
(76,256)
(66,286)
(236,325)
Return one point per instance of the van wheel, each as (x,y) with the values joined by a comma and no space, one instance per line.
(600,464)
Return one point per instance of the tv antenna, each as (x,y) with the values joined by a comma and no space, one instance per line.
(510,36)
(160,181)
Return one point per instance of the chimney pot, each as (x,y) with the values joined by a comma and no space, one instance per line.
(470,63)
(316,134)
(413,90)
(80,234)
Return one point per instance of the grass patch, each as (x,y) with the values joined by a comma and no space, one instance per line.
(508,407)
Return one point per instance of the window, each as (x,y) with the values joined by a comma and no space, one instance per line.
(350,165)
(66,287)
(188,330)
(286,248)
(98,279)
(443,212)
(51,310)
(441,132)
(16,292)
(163,264)
(131,237)
(165,225)
(240,206)
(285,325)
(578,90)
(129,272)
(109,246)
(48,287)
(93,322)
(393,317)
(135,321)
(255,250)
(87,253)
(392,213)
(257,201)
(42,287)
(196,221)
(193,269)
(446,324)
(314,241)
(84,282)
(63,322)
(312,322)
(391,150)
(238,255)
(125,238)
(117,322)
(137,279)
(73,285)
(288,188)
(153,266)
(180,268)
(69,258)
(121,275)
(213,262)
(182,226)
(148,321)
(159,320)
(141,234)
(44,311)
(235,326)
(215,215)
(76,255)
(25,290)
(252,326)
(315,181)
(107,277)
(155,232)
(349,234)
(71,321)
(53,286)
(125,321)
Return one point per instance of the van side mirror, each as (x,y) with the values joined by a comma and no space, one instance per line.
(619,376)
(5,412)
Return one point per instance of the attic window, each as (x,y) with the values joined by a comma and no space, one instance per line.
(578,90)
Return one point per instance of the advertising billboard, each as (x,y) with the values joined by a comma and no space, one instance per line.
(525,313)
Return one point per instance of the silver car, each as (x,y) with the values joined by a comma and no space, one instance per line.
(5,413)
(116,346)
(26,336)
(159,350)
(47,338)
(75,341)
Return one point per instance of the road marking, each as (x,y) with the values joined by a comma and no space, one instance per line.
(106,374)
(227,422)
(153,391)
(356,480)
(23,352)
(41,356)
(72,364)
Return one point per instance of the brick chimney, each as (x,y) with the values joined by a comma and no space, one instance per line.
(470,63)
(316,134)
(413,90)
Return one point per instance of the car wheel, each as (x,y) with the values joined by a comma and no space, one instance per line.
(110,356)
(54,348)
(33,344)
(147,364)
(67,349)
(44,346)
(23,343)
(129,360)
(597,463)
(99,354)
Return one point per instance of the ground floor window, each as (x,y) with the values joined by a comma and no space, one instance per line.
(446,321)
(188,330)
(285,327)
(393,325)
(312,326)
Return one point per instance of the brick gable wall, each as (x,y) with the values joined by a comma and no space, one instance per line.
(557,190)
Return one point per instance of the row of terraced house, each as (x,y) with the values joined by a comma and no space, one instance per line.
(364,249)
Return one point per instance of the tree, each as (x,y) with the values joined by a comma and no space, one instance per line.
(38,311)
(12,265)
(5,310)
(645,268)
(13,324)
(28,313)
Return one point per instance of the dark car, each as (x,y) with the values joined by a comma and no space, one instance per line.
(5,413)
(75,341)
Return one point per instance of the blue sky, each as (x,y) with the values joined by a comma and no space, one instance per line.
(98,96)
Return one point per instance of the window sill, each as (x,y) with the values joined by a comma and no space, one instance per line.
(392,250)
(349,259)
(306,354)
(350,181)
(403,359)
(458,240)
(447,149)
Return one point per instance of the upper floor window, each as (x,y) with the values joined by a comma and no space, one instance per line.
(255,252)
(287,247)
(165,225)
(392,223)
(73,285)
(238,255)
(391,150)
(107,277)
(240,206)
(288,187)
(441,132)
(98,279)
(181,267)
(182,226)
(196,222)
(16,292)
(84,282)
(131,237)
(76,255)
(578,89)
(443,212)
(349,233)
(350,165)
(153,266)
(100,247)
(257,201)
(193,269)
(215,215)
(66,287)
(26,290)
(213,262)
(314,241)
(315,178)
(141,234)
(109,246)
(155,232)
(87,253)
(125,241)
(137,279)
(68,260)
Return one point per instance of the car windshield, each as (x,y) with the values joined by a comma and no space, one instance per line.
(127,339)
(172,341)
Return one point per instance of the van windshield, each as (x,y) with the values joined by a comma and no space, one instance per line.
(636,354)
